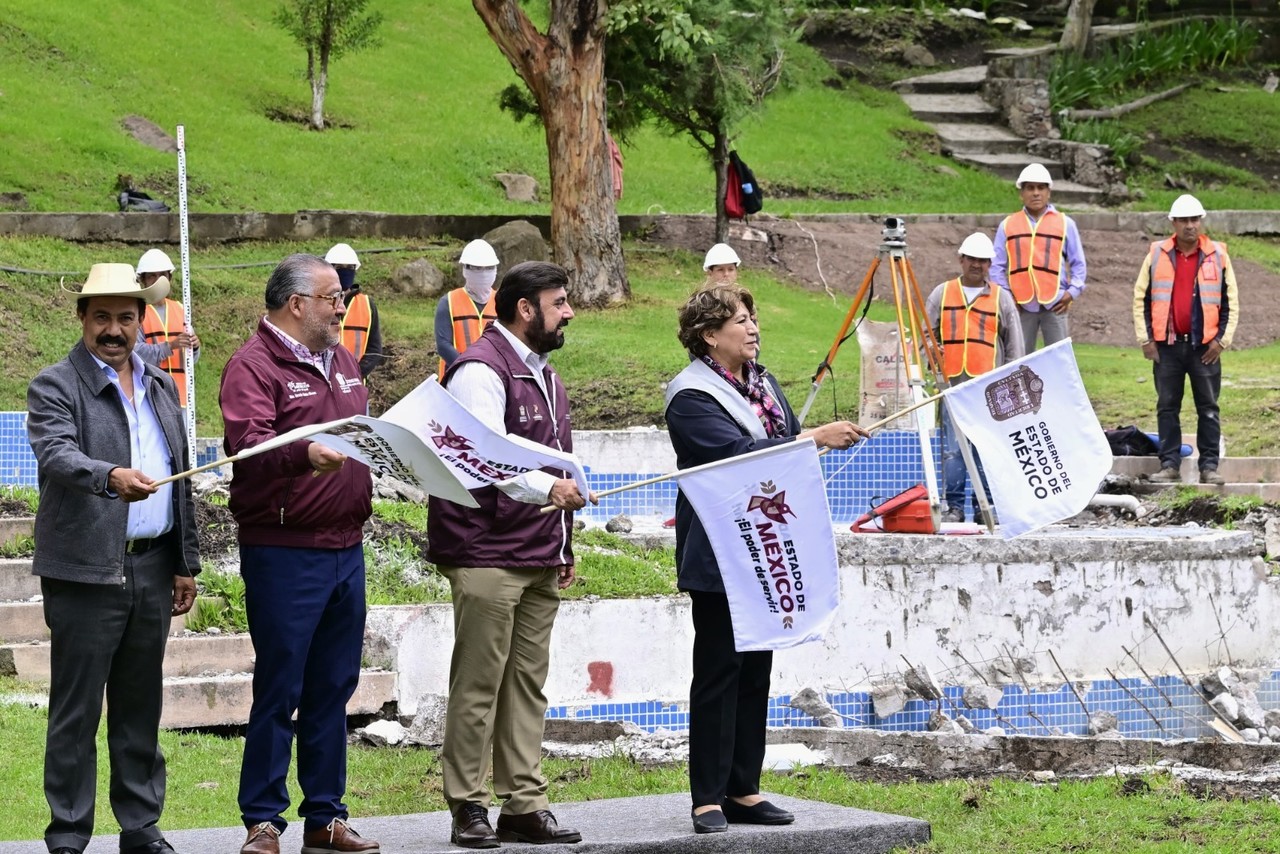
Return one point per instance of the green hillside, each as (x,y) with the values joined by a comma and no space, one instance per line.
(418,127)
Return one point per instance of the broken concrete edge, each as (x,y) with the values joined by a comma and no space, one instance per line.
(951,754)
(311,225)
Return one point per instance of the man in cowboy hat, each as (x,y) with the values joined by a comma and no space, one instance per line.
(116,553)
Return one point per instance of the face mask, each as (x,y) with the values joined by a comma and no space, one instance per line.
(347,278)
(479,282)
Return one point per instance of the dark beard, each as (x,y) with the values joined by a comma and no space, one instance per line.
(540,340)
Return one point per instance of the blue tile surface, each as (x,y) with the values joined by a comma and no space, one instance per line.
(883,466)
(1169,709)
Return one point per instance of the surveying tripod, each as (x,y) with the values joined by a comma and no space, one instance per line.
(916,341)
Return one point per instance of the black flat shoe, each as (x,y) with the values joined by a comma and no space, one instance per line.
(711,821)
(761,813)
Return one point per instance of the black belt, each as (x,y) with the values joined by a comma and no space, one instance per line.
(1185,339)
(145,544)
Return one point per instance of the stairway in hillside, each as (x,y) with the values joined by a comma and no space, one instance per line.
(970,131)
(208,677)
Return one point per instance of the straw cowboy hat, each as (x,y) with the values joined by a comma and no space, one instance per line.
(119,280)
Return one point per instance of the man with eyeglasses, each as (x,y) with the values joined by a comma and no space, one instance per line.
(300,510)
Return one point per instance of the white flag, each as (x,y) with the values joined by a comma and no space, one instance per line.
(476,454)
(388,449)
(767,518)
(1042,447)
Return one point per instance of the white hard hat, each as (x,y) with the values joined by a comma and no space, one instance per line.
(978,245)
(721,253)
(154,261)
(478,253)
(343,254)
(1186,205)
(1034,174)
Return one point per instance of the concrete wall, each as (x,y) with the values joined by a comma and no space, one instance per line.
(308,225)
(1081,595)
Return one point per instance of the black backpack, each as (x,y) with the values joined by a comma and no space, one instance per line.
(752,195)
(1131,442)
(136,200)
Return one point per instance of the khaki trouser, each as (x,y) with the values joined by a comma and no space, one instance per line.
(502,621)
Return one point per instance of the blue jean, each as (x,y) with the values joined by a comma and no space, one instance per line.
(1178,363)
(954,474)
(306,613)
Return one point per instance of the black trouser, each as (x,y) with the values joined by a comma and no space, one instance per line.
(108,636)
(1179,362)
(728,703)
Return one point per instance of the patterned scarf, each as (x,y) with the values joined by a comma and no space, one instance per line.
(756,393)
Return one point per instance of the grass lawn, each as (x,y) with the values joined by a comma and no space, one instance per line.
(416,125)
(966,816)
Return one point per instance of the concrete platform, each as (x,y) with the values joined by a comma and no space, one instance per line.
(653,824)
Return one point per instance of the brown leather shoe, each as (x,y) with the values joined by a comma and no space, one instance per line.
(264,838)
(337,835)
(538,827)
(471,828)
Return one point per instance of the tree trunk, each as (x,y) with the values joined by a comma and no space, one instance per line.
(1075,33)
(720,162)
(318,84)
(565,71)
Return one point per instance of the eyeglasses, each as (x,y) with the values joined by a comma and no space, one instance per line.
(332,299)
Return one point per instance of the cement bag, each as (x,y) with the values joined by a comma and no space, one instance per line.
(884,379)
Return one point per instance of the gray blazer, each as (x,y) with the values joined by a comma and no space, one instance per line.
(79,432)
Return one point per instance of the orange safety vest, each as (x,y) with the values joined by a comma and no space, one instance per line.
(1213,266)
(968,331)
(355,326)
(1035,256)
(157,331)
(466,325)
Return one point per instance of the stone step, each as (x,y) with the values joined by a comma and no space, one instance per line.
(956,80)
(23,622)
(951,108)
(979,139)
(16,581)
(210,701)
(1238,471)
(185,655)
(1011,165)
(1069,193)
(16,526)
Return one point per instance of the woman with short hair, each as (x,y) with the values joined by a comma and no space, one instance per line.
(722,405)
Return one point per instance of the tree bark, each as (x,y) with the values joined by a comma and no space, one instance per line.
(1075,34)
(318,84)
(564,69)
(720,162)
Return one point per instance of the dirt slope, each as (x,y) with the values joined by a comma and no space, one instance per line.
(846,250)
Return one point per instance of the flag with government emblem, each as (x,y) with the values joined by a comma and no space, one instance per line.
(1041,445)
(766,516)
(476,454)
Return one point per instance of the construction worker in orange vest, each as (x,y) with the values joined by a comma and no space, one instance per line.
(1185,309)
(1040,260)
(977,325)
(464,312)
(361,333)
(163,333)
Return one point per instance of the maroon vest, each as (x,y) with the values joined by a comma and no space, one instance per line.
(501,531)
